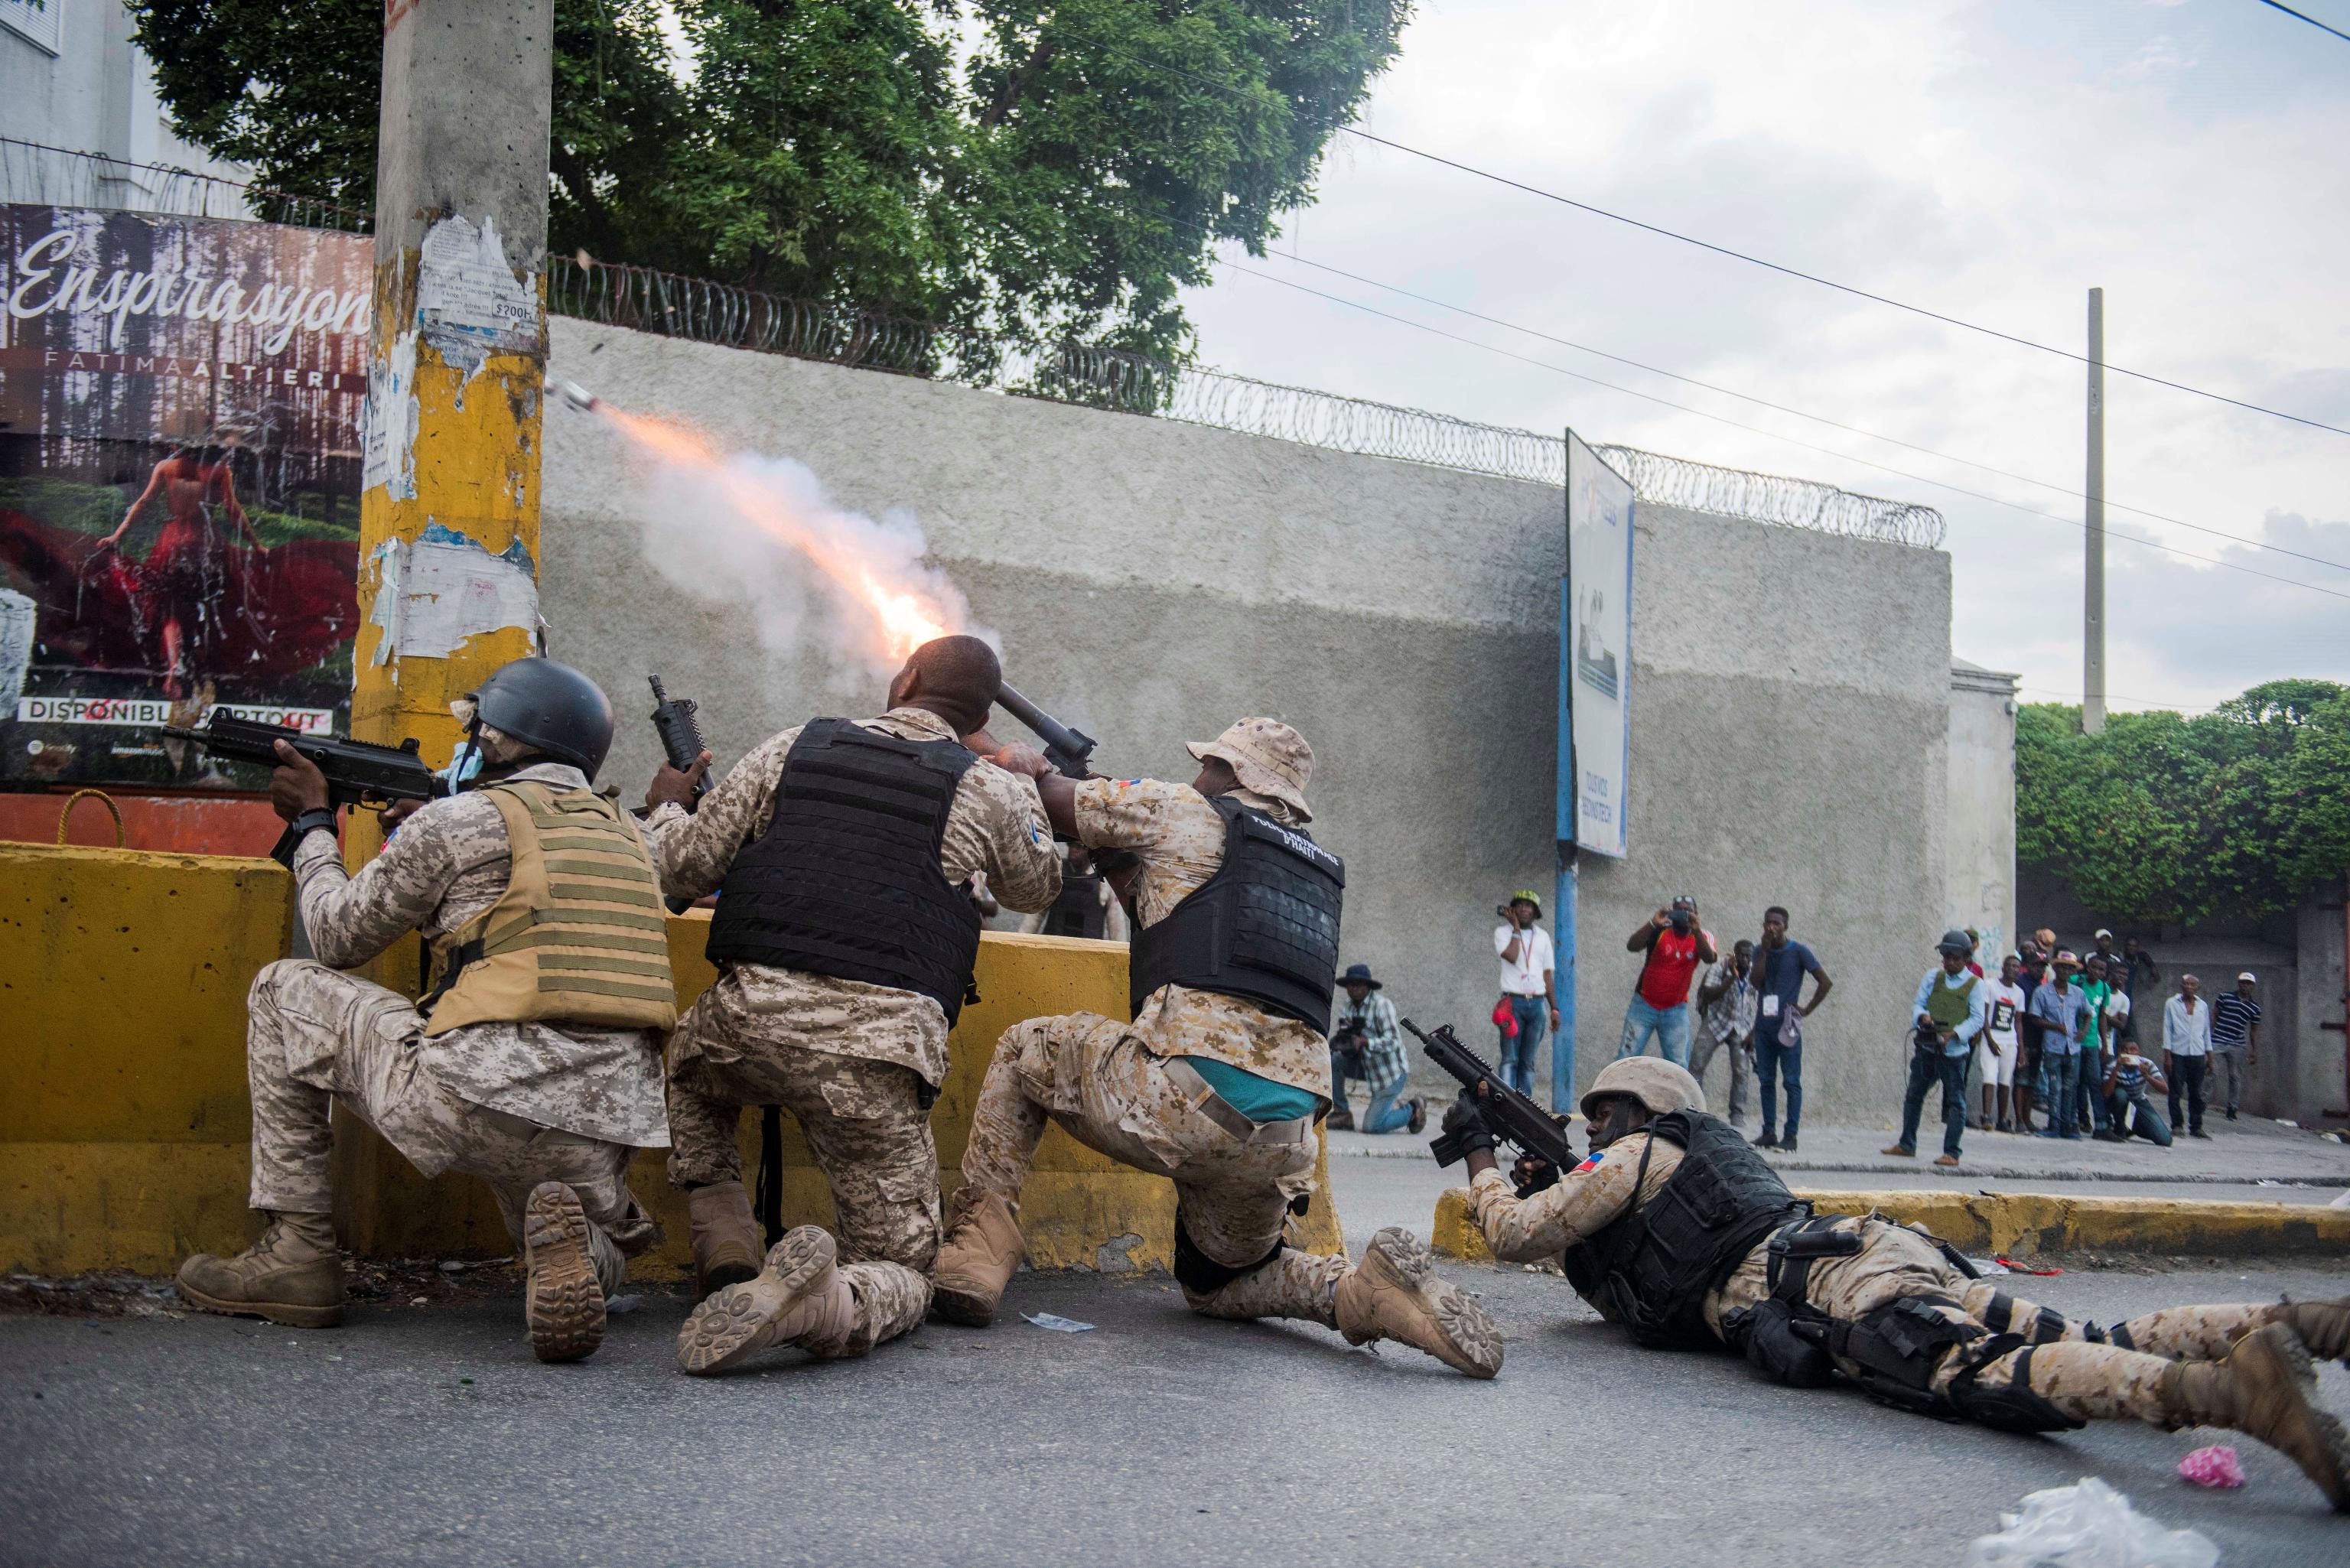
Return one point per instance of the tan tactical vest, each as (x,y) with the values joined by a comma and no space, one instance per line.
(578,937)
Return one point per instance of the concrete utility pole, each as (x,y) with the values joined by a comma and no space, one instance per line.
(459,360)
(2093,577)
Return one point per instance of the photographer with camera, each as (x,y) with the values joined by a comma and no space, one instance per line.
(1366,1044)
(1675,945)
(1529,995)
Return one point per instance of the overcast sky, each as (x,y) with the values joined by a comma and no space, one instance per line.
(1988,161)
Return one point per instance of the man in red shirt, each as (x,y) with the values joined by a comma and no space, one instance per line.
(1675,945)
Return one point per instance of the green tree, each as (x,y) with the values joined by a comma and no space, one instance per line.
(1051,173)
(2163,818)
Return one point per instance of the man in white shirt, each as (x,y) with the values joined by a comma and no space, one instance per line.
(1996,1047)
(2187,1051)
(1528,990)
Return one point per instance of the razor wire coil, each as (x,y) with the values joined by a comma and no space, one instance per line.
(670,304)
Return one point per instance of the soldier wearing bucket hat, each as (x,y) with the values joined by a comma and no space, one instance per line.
(1677,1230)
(1219,1078)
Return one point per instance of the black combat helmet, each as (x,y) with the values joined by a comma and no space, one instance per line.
(551,708)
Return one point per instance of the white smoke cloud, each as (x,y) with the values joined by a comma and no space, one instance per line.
(744,528)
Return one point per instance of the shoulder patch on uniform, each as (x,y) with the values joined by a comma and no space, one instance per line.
(1590,1160)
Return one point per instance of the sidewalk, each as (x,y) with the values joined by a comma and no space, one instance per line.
(2238,1153)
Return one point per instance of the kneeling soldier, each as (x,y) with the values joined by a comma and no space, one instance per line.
(1679,1232)
(844,948)
(1217,1082)
(533,1062)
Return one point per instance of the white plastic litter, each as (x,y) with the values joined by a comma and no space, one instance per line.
(2089,1525)
(1057,1325)
(2342,1201)
(1986,1267)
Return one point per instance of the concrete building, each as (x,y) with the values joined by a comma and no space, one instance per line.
(71,78)
(1983,806)
(1152,580)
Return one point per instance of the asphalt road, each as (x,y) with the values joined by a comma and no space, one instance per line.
(429,1436)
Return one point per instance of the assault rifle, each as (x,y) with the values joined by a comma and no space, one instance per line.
(681,735)
(1508,1114)
(357,773)
(1069,751)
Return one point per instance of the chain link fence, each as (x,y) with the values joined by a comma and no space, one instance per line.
(646,300)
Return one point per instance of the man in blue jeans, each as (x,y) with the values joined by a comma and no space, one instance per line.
(2063,1012)
(1528,990)
(1951,1008)
(1364,1042)
(1780,966)
(1675,944)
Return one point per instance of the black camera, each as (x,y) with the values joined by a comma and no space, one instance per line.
(1682,920)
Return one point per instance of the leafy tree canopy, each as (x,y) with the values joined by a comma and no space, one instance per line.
(2168,819)
(1037,172)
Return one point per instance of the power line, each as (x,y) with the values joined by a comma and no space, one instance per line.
(1774,435)
(1784,409)
(2311,20)
(2075,697)
(1751,260)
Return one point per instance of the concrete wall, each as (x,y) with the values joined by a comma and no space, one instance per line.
(1981,850)
(2297,1071)
(1154,580)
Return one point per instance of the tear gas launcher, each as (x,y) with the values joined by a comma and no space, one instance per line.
(681,735)
(357,773)
(1069,751)
(1508,1114)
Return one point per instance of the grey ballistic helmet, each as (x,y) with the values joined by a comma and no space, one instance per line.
(1953,941)
(550,707)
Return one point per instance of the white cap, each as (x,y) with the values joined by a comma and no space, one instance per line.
(2248,974)
(2107,935)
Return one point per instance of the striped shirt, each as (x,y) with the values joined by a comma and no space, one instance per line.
(2232,1018)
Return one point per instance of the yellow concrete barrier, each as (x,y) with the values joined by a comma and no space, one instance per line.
(124,1123)
(2031,1224)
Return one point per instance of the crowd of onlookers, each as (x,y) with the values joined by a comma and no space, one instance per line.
(2054,1035)
(2058,1032)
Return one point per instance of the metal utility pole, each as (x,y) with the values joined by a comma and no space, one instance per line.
(2093,577)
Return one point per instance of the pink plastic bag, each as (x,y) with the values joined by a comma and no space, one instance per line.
(2216,1466)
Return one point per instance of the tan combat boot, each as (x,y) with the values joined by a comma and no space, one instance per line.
(726,1249)
(292,1275)
(799,1298)
(1395,1293)
(981,1253)
(563,1304)
(2324,1327)
(2263,1390)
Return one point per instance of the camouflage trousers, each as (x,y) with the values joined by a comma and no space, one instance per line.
(2088,1373)
(865,1123)
(1103,1085)
(317,1037)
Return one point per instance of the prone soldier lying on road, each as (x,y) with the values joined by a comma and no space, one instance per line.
(533,1062)
(1676,1228)
(844,948)
(1218,1081)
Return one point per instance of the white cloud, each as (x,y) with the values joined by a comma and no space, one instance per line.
(1989,160)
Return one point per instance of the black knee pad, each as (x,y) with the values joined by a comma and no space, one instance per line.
(1896,1349)
(1203,1276)
(2012,1409)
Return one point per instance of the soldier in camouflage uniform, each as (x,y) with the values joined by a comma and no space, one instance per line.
(1209,1089)
(857,1061)
(1885,1305)
(546,1109)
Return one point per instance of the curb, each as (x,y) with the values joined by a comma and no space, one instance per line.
(2032,1223)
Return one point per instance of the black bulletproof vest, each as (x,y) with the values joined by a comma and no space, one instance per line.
(846,880)
(1263,929)
(1078,911)
(1652,1270)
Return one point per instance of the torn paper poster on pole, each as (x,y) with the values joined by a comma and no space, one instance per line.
(469,302)
(433,595)
(388,422)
